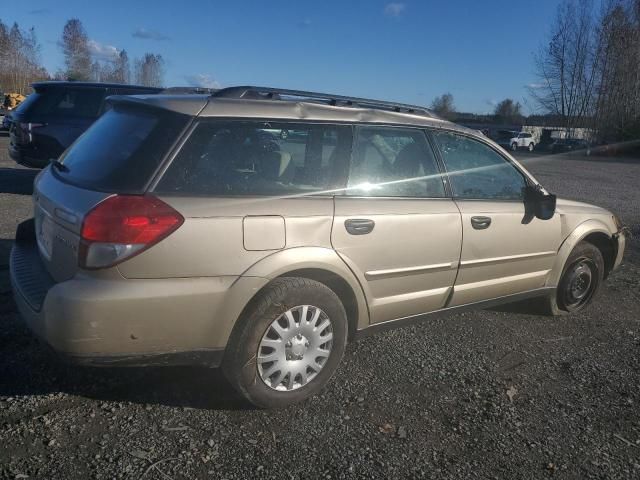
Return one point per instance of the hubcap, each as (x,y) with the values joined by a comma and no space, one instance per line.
(578,284)
(295,348)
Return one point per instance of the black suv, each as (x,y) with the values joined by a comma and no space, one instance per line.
(51,119)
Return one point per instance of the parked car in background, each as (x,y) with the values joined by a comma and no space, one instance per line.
(56,114)
(575,145)
(261,229)
(6,120)
(511,140)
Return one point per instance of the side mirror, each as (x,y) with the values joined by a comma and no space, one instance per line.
(542,205)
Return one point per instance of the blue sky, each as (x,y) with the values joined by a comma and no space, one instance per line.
(408,51)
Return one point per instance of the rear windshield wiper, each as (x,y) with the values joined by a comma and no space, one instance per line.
(58,165)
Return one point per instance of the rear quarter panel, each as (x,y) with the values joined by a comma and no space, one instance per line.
(213,240)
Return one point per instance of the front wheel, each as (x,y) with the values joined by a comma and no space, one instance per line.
(581,279)
(288,343)
(514,146)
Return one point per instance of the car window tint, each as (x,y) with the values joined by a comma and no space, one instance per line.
(68,102)
(122,149)
(259,158)
(477,171)
(393,162)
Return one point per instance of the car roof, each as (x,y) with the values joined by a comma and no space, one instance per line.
(211,106)
(59,84)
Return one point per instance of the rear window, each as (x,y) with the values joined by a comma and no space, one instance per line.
(122,150)
(259,158)
(67,102)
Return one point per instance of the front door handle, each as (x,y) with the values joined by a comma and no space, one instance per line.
(359,226)
(480,223)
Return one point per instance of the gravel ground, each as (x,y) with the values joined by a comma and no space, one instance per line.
(492,394)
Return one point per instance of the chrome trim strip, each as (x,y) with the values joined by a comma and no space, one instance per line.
(373,274)
(483,261)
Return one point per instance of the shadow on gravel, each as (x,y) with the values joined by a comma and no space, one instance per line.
(30,368)
(5,248)
(17,180)
(525,307)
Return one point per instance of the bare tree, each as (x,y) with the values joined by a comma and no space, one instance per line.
(618,105)
(565,66)
(443,105)
(19,59)
(150,70)
(122,70)
(75,45)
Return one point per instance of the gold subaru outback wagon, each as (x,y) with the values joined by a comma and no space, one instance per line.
(260,229)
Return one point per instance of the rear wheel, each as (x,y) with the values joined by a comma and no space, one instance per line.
(531,147)
(581,279)
(288,344)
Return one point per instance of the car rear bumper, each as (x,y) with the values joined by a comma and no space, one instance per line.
(26,158)
(111,321)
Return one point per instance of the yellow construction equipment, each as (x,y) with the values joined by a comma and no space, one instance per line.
(12,100)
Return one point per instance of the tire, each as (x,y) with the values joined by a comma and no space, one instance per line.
(514,146)
(266,331)
(564,301)
(530,147)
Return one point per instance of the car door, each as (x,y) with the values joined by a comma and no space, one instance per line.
(506,250)
(395,226)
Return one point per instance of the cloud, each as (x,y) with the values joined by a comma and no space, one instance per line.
(40,11)
(535,85)
(491,102)
(102,51)
(145,34)
(394,9)
(306,23)
(202,80)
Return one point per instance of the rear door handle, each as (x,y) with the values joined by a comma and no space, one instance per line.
(359,226)
(480,223)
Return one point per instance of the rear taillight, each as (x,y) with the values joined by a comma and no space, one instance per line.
(122,226)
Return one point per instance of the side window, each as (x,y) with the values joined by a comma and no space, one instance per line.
(476,171)
(393,162)
(259,158)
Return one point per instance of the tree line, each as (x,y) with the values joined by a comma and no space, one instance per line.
(80,64)
(20,63)
(505,112)
(589,69)
(19,59)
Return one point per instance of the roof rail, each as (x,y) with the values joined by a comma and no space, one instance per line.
(269,93)
(188,90)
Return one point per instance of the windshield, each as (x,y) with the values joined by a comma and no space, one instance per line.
(122,150)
